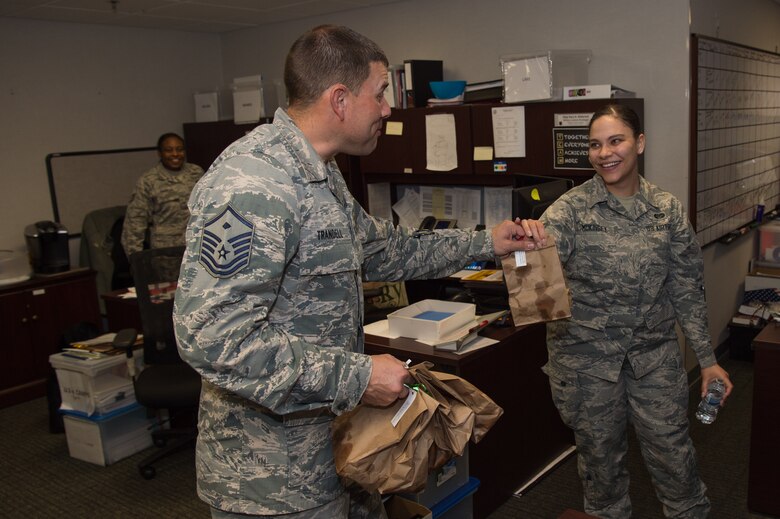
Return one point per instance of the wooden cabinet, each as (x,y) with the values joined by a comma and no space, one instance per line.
(763,476)
(205,141)
(34,314)
(400,157)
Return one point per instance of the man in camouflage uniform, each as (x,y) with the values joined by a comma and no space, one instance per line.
(269,306)
(159,201)
(634,268)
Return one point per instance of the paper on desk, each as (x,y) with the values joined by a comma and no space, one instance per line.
(476,344)
(380,329)
(130,294)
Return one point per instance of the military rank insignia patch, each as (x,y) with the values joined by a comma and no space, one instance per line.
(226,244)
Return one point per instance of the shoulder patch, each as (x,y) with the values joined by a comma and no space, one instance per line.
(226,244)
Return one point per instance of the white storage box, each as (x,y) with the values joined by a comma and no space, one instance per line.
(248,106)
(541,76)
(94,386)
(430,319)
(206,107)
(106,439)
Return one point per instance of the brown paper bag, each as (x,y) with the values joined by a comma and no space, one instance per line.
(537,291)
(436,426)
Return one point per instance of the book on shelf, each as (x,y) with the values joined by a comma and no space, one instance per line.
(395,93)
(418,73)
(484,91)
(579,92)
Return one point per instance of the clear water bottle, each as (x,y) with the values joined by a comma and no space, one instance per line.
(708,408)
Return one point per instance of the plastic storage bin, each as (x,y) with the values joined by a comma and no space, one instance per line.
(443,481)
(459,504)
(105,439)
(430,319)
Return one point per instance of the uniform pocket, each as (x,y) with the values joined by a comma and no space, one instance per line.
(566,396)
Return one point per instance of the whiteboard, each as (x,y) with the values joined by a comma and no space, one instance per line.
(81,182)
(736,136)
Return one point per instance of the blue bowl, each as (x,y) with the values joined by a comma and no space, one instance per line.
(447,89)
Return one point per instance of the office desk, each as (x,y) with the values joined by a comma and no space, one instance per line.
(121,312)
(529,435)
(763,475)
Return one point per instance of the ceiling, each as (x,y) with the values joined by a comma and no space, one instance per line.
(212,16)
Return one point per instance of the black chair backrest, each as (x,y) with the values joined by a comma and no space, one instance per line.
(121,277)
(155,273)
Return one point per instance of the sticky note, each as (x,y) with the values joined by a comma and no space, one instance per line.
(483,152)
(394,128)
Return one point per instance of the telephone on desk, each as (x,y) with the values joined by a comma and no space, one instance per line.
(430,223)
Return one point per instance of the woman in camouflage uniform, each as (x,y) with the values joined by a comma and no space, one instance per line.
(634,269)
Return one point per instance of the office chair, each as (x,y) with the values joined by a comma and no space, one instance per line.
(166,382)
(101,250)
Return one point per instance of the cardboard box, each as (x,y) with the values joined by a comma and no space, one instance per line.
(540,76)
(248,106)
(94,386)
(399,508)
(430,319)
(106,439)
(206,107)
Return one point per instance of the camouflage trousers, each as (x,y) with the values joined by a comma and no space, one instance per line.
(599,411)
(356,504)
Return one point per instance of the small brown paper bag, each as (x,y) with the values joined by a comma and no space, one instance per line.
(537,291)
(446,412)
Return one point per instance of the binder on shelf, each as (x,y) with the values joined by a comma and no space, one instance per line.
(395,93)
(418,75)
(484,91)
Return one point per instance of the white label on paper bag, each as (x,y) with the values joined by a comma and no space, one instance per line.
(402,411)
(520,258)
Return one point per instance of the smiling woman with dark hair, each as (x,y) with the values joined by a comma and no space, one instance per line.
(634,269)
(158,204)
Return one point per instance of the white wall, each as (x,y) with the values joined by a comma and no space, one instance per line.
(641,46)
(69,87)
(754,23)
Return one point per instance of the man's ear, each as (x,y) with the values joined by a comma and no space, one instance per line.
(337,95)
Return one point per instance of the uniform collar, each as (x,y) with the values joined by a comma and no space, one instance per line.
(313,169)
(645,197)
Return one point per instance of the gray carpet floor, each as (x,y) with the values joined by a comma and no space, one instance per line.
(722,450)
(40,480)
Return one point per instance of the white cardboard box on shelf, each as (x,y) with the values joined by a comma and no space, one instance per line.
(105,439)
(90,386)
(539,76)
(430,319)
